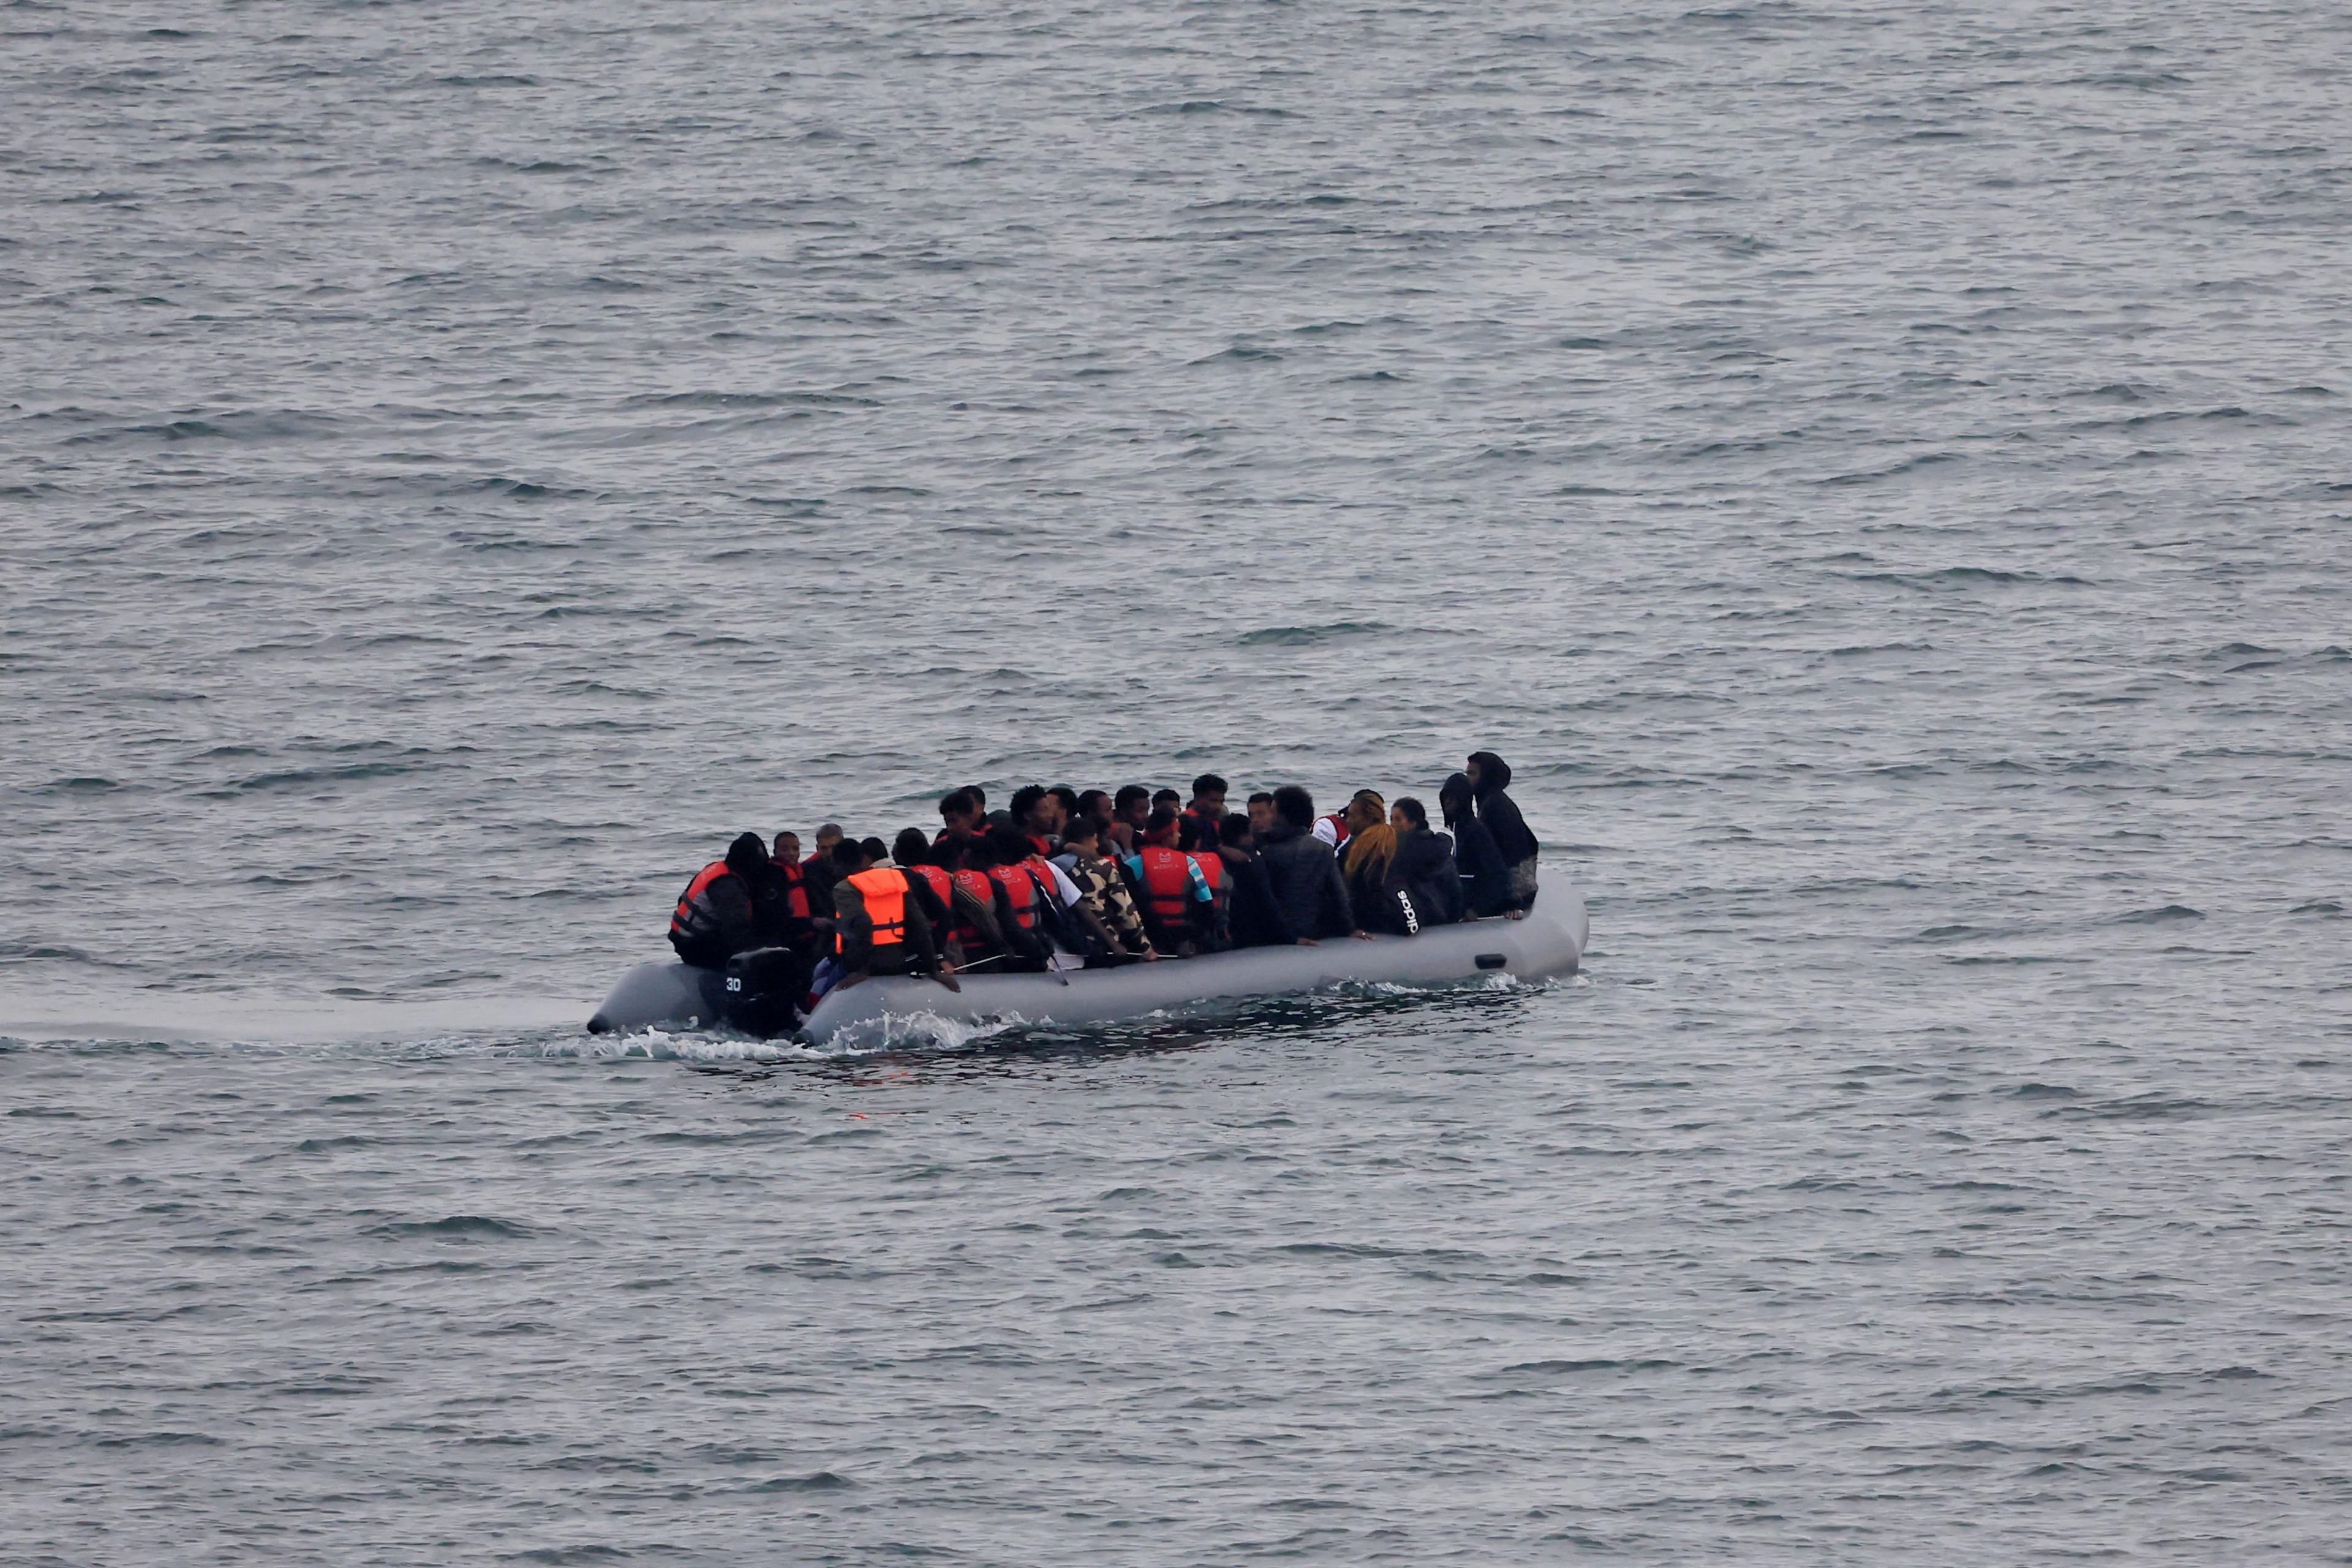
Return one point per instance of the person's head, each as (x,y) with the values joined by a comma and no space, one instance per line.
(1188,832)
(1366,810)
(788,846)
(979,799)
(947,854)
(1009,844)
(1066,804)
(1236,830)
(1133,805)
(1295,807)
(1454,797)
(1487,773)
(1209,795)
(1166,797)
(848,856)
(1026,802)
(747,854)
(876,850)
(1094,803)
(911,847)
(1083,835)
(1160,826)
(958,810)
(827,836)
(1370,847)
(1261,812)
(1408,815)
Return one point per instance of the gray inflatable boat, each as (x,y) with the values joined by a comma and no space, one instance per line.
(1549,943)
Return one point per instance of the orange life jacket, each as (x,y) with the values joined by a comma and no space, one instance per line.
(1168,885)
(795,888)
(1213,868)
(694,918)
(884,893)
(983,893)
(1020,885)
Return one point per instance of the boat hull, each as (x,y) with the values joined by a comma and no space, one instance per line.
(1547,945)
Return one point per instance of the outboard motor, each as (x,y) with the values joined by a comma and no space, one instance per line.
(764,991)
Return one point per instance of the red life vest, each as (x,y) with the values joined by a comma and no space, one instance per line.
(1338,830)
(1168,885)
(1020,887)
(694,918)
(940,880)
(1213,868)
(983,893)
(1043,845)
(795,888)
(884,893)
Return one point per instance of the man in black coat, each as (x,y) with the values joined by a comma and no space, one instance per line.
(1303,872)
(1253,914)
(1489,776)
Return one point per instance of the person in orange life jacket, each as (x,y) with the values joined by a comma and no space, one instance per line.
(788,848)
(883,926)
(979,804)
(1302,871)
(780,900)
(1261,812)
(968,935)
(1064,916)
(1033,812)
(958,813)
(715,918)
(1130,810)
(1178,906)
(1007,942)
(1254,916)
(1207,806)
(1026,902)
(1104,888)
(1197,838)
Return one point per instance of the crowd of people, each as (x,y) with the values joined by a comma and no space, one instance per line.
(1061,877)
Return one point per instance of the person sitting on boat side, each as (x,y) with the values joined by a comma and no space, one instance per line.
(1303,871)
(1485,882)
(1029,911)
(1130,810)
(1178,907)
(1102,889)
(1371,852)
(882,926)
(1197,838)
(1423,869)
(1261,812)
(981,919)
(716,918)
(1490,777)
(780,900)
(1207,806)
(957,914)
(1253,914)
(958,813)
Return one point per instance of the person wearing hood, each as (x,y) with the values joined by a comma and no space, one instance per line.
(1486,882)
(1489,777)
(716,918)
(1423,871)
(1254,916)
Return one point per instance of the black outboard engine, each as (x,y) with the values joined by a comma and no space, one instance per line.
(764,990)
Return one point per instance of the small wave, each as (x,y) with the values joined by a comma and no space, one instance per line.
(1304,637)
(455,1228)
(2169,913)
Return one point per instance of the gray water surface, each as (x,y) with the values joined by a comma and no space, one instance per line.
(1880,473)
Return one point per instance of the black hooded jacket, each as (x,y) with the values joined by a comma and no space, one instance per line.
(1423,870)
(1513,840)
(1305,876)
(1254,916)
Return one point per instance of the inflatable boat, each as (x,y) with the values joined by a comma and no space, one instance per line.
(1549,943)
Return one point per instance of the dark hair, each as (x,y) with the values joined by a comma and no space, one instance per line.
(1261,795)
(979,796)
(782,834)
(1494,774)
(1414,812)
(1207,784)
(1160,818)
(1078,829)
(747,853)
(950,849)
(911,847)
(875,849)
(847,852)
(1087,806)
(1188,832)
(1166,797)
(1233,828)
(1024,801)
(958,802)
(1067,796)
(1009,845)
(832,828)
(1293,805)
(1129,794)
